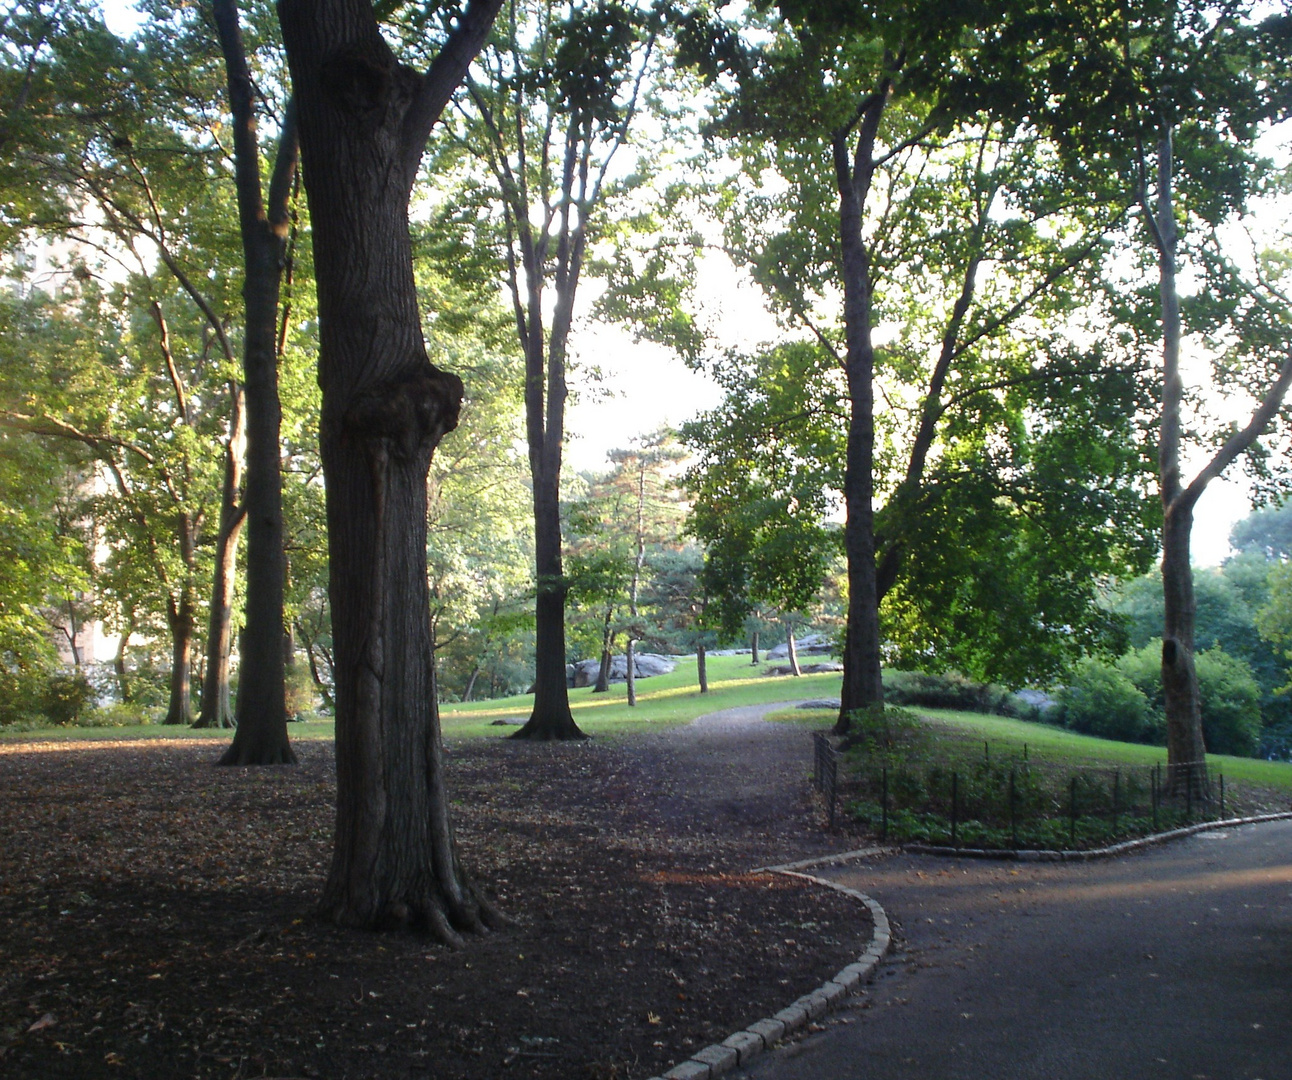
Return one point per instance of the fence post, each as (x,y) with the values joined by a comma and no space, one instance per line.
(1117,789)
(1153,793)
(883,835)
(986,752)
(1188,792)
(955,807)
(1013,809)
(1222,795)
(1072,812)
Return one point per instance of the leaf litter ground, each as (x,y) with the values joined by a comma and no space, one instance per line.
(156,912)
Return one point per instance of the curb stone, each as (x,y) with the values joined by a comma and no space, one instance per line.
(1094,853)
(739,1049)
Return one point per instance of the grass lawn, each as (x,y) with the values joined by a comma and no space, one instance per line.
(663,699)
(1067,748)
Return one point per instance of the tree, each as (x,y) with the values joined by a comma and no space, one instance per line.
(908,180)
(553,104)
(1180,92)
(655,515)
(677,596)
(131,170)
(264,224)
(364,119)
(767,463)
(1268,531)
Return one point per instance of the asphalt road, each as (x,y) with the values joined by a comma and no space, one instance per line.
(1173,963)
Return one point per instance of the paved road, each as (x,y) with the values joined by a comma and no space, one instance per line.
(1174,963)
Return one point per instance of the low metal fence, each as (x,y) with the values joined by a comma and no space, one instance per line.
(1020,803)
(825,773)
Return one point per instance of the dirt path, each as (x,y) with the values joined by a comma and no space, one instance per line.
(735,775)
(1174,963)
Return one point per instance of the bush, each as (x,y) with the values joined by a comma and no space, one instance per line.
(952,691)
(1229,696)
(20,697)
(1231,703)
(66,696)
(1101,700)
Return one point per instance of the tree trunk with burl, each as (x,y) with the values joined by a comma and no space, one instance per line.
(364,119)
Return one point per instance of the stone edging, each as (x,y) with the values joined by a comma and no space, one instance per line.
(742,1047)
(1095,853)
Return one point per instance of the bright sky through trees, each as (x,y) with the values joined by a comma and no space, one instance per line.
(624,388)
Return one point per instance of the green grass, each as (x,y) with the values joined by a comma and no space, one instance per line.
(674,698)
(1059,747)
(661,700)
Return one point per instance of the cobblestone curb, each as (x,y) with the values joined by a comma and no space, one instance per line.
(742,1047)
(1094,853)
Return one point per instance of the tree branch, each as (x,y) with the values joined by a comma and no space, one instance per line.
(444,75)
(1240,441)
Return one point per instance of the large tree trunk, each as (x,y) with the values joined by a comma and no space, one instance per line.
(863,687)
(216,711)
(702,668)
(1185,751)
(1184,742)
(363,124)
(261,738)
(551,717)
(630,670)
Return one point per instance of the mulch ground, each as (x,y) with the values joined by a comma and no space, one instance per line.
(156,914)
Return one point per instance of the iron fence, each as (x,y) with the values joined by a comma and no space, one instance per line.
(825,772)
(1020,803)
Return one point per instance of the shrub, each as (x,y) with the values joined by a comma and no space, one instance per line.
(951,690)
(1101,700)
(66,696)
(20,697)
(1229,696)
(1231,703)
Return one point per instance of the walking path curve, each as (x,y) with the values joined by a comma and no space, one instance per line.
(1172,963)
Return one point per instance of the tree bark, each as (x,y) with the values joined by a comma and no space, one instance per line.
(603,672)
(363,122)
(180,618)
(634,588)
(216,711)
(1186,751)
(753,648)
(862,684)
(119,663)
(791,650)
(630,670)
(551,717)
(702,668)
(261,738)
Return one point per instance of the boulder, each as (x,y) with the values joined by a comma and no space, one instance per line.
(1036,699)
(808,645)
(585,672)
